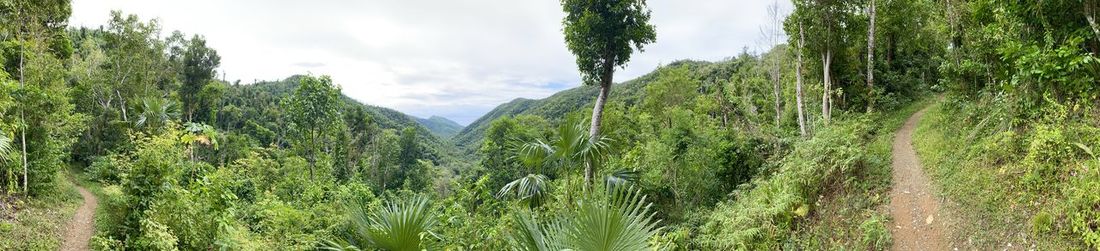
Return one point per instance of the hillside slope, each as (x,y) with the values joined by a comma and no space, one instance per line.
(260,100)
(556,106)
(440,126)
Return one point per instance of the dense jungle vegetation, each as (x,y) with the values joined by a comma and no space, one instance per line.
(789,148)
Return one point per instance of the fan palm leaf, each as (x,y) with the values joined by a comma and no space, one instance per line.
(403,225)
(622,221)
(531,189)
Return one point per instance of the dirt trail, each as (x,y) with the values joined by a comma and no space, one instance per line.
(917,222)
(82,226)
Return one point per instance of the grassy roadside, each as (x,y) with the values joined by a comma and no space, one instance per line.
(38,223)
(855,213)
(991,204)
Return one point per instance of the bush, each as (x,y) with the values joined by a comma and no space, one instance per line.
(762,218)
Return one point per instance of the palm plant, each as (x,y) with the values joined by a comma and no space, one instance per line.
(156,112)
(570,148)
(621,221)
(531,189)
(5,146)
(403,225)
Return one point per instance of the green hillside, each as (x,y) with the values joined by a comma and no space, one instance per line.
(440,126)
(555,107)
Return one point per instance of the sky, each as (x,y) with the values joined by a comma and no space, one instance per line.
(450,58)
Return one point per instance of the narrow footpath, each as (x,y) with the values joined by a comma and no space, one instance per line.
(81,228)
(917,224)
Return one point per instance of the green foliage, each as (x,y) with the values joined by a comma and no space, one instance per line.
(875,234)
(761,217)
(620,221)
(399,225)
(604,33)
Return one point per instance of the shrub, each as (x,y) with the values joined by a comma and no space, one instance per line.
(762,217)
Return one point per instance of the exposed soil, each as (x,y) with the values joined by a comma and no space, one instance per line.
(918,224)
(81,228)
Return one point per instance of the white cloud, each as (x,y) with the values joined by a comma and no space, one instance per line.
(457,59)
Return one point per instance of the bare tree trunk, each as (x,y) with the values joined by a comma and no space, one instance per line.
(798,82)
(871,59)
(122,105)
(773,12)
(1090,8)
(826,95)
(22,108)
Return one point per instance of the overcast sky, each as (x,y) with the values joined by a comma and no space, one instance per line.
(456,59)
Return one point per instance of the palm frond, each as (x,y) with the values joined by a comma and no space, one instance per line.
(622,178)
(401,226)
(5,146)
(531,189)
(621,221)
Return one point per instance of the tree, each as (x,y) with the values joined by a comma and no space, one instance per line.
(773,32)
(798,81)
(603,34)
(199,63)
(871,57)
(313,112)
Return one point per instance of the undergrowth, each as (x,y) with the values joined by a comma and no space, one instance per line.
(38,223)
(830,192)
(1016,183)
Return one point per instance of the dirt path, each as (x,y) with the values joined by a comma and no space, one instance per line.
(917,223)
(82,226)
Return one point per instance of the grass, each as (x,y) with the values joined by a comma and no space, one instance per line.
(38,223)
(989,204)
(854,214)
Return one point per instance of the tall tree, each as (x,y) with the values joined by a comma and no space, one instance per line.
(313,112)
(798,81)
(773,32)
(199,63)
(871,57)
(603,34)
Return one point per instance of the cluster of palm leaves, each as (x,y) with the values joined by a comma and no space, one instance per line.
(621,221)
(402,225)
(570,149)
(156,112)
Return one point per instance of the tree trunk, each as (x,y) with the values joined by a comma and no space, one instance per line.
(1090,8)
(871,59)
(798,82)
(597,118)
(826,96)
(122,106)
(22,118)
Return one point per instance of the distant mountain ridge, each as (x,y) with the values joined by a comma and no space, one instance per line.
(440,126)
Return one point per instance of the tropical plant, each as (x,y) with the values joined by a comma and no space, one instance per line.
(403,225)
(156,112)
(570,148)
(621,221)
(5,146)
(531,189)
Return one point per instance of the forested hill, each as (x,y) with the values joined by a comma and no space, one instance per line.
(255,109)
(555,107)
(440,126)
